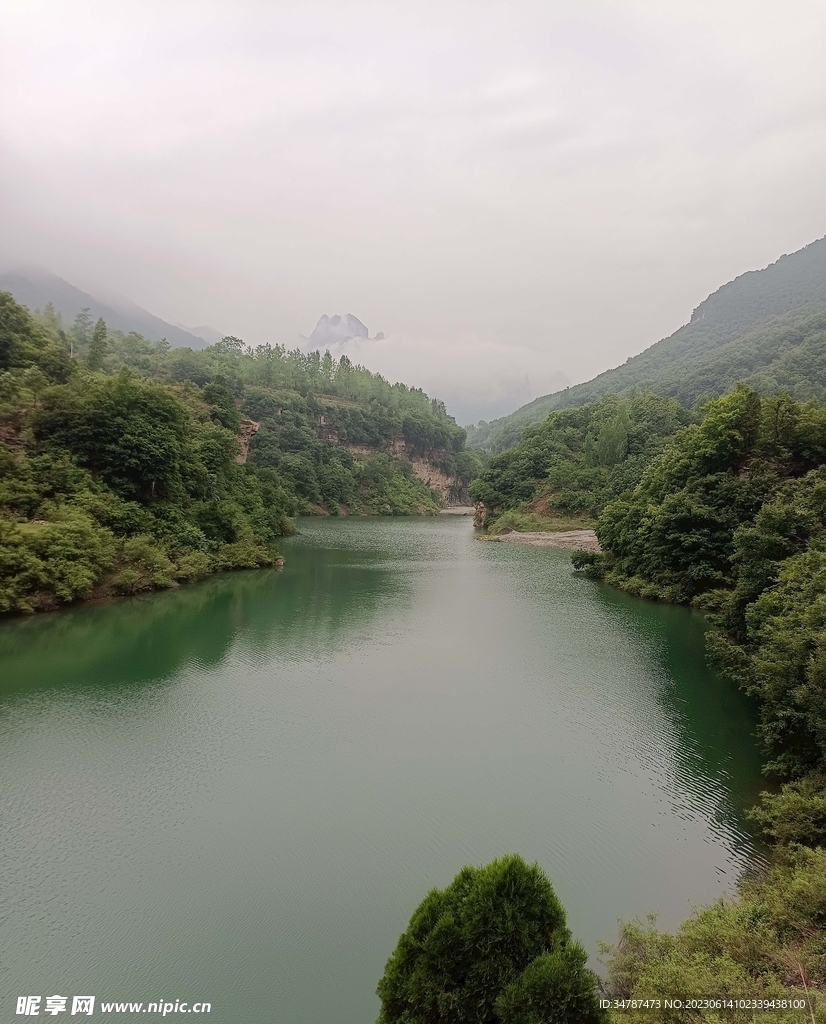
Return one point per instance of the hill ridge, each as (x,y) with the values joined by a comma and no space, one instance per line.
(34,287)
(746,330)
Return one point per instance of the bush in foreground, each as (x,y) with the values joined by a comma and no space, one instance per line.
(491,948)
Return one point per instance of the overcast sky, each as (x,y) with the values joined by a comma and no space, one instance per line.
(519,195)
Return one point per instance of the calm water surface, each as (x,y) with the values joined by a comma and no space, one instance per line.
(239,791)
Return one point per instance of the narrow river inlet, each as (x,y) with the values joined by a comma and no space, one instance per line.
(238,792)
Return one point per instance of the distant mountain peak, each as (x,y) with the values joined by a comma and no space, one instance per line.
(335,330)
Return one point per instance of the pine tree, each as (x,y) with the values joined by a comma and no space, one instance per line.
(80,331)
(52,317)
(97,346)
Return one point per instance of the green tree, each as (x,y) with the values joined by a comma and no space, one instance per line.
(219,396)
(16,332)
(131,432)
(491,948)
(52,317)
(81,328)
(556,988)
(97,346)
(327,368)
(24,342)
(612,443)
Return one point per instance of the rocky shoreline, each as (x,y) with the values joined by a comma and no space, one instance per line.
(565,540)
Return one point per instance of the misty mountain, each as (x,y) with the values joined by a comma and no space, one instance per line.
(34,288)
(211,335)
(335,330)
(766,328)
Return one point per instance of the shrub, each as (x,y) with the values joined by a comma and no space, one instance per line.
(129,581)
(245,553)
(45,564)
(492,946)
(768,943)
(194,565)
(146,567)
(556,988)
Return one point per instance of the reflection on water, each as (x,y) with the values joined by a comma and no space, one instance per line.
(715,766)
(240,790)
(151,638)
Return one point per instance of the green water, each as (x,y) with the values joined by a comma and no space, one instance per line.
(238,792)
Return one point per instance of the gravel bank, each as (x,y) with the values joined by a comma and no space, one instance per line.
(567,540)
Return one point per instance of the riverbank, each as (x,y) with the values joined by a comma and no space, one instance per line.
(116,586)
(563,540)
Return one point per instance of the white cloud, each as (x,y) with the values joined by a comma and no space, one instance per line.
(561,183)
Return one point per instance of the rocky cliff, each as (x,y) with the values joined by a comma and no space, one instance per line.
(245,434)
(453,491)
(426,466)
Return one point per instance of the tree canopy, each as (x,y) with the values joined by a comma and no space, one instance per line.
(578,459)
(491,947)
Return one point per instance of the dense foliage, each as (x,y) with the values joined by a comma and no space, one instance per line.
(768,944)
(123,464)
(332,431)
(731,517)
(577,460)
(766,328)
(491,948)
(125,485)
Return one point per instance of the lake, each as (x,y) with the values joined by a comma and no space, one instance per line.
(239,791)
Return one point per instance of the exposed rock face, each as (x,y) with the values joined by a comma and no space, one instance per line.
(453,492)
(335,330)
(479,516)
(245,432)
(433,477)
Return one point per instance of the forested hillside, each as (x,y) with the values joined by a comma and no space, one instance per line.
(731,517)
(564,471)
(127,466)
(766,328)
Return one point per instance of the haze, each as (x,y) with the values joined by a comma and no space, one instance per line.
(518,195)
